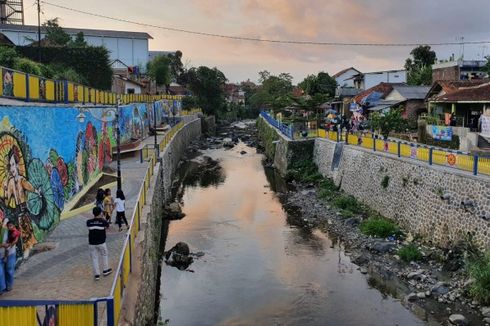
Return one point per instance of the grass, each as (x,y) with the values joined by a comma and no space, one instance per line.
(348,203)
(378,226)
(479,270)
(305,171)
(327,189)
(410,253)
(385,182)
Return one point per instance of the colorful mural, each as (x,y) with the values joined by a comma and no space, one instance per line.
(47,156)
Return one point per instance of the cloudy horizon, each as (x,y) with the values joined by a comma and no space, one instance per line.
(366,21)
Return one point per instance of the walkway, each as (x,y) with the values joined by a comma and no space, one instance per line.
(65,273)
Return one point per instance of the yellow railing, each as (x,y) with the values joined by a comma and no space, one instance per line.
(191,111)
(433,156)
(22,316)
(32,88)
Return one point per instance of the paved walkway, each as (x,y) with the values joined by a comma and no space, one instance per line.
(65,273)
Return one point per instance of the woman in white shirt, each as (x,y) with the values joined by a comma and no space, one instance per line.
(120,209)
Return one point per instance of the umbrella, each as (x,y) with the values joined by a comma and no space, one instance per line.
(331,111)
(331,116)
(42,206)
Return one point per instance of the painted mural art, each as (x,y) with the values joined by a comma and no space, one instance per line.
(44,165)
(8,82)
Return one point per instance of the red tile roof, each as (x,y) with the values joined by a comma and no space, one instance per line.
(383,88)
(464,91)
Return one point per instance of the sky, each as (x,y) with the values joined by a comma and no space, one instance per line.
(355,21)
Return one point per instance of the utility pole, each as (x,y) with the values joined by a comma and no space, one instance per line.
(39,30)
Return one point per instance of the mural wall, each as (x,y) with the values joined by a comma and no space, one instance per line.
(47,156)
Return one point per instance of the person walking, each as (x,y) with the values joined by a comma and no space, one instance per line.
(108,205)
(10,246)
(99,198)
(96,240)
(121,209)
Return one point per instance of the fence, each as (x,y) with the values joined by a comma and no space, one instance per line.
(283,128)
(86,312)
(26,87)
(432,155)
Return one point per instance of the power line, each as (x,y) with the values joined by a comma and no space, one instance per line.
(252,39)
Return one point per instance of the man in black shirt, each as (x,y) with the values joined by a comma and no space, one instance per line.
(96,240)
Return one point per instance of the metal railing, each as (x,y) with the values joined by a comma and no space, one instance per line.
(31,88)
(432,155)
(86,312)
(284,129)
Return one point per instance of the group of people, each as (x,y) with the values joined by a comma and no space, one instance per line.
(340,122)
(101,221)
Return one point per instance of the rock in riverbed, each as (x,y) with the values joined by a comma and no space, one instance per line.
(178,256)
(457,319)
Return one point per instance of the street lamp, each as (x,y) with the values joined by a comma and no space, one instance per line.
(105,113)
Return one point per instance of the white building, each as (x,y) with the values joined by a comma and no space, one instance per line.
(345,77)
(131,48)
(369,79)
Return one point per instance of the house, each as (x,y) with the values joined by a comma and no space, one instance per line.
(343,98)
(459,70)
(125,85)
(367,80)
(411,99)
(344,78)
(234,94)
(131,48)
(177,89)
(466,100)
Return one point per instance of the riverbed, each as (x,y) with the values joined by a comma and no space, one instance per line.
(257,269)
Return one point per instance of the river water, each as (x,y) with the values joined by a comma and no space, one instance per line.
(257,269)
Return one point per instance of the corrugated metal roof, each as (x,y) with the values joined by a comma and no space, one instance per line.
(412,92)
(74,31)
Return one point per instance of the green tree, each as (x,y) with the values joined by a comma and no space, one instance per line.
(384,123)
(207,87)
(322,84)
(79,41)
(274,91)
(176,65)
(55,35)
(419,65)
(486,68)
(8,57)
(159,70)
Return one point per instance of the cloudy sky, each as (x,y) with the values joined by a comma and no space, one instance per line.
(357,21)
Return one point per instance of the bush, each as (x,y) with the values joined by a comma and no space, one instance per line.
(410,253)
(28,66)
(305,171)
(348,203)
(378,226)
(64,73)
(479,270)
(326,189)
(8,57)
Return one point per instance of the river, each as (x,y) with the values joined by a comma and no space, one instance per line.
(257,269)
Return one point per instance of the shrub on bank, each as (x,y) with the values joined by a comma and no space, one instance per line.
(410,253)
(479,270)
(349,203)
(377,226)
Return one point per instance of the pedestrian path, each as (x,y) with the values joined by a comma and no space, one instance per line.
(65,272)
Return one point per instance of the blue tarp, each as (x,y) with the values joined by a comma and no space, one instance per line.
(371,99)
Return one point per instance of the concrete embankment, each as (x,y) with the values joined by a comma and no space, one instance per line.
(139,302)
(441,204)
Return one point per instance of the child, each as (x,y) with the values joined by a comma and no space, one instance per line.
(120,209)
(96,240)
(99,199)
(108,205)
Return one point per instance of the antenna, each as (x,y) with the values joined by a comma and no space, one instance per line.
(12,12)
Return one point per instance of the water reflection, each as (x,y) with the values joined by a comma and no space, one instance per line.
(258,269)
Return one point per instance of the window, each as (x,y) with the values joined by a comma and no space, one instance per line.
(130,90)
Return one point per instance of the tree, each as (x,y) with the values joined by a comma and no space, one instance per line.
(79,41)
(486,68)
(419,65)
(159,70)
(207,87)
(176,65)
(8,57)
(55,35)
(387,122)
(321,84)
(274,91)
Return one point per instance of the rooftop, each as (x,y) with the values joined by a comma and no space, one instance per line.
(412,92)
(383,88)
(344,71)
(461,91)
(73,31)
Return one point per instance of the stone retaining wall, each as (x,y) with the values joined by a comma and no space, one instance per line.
(139,305)
(441,204)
